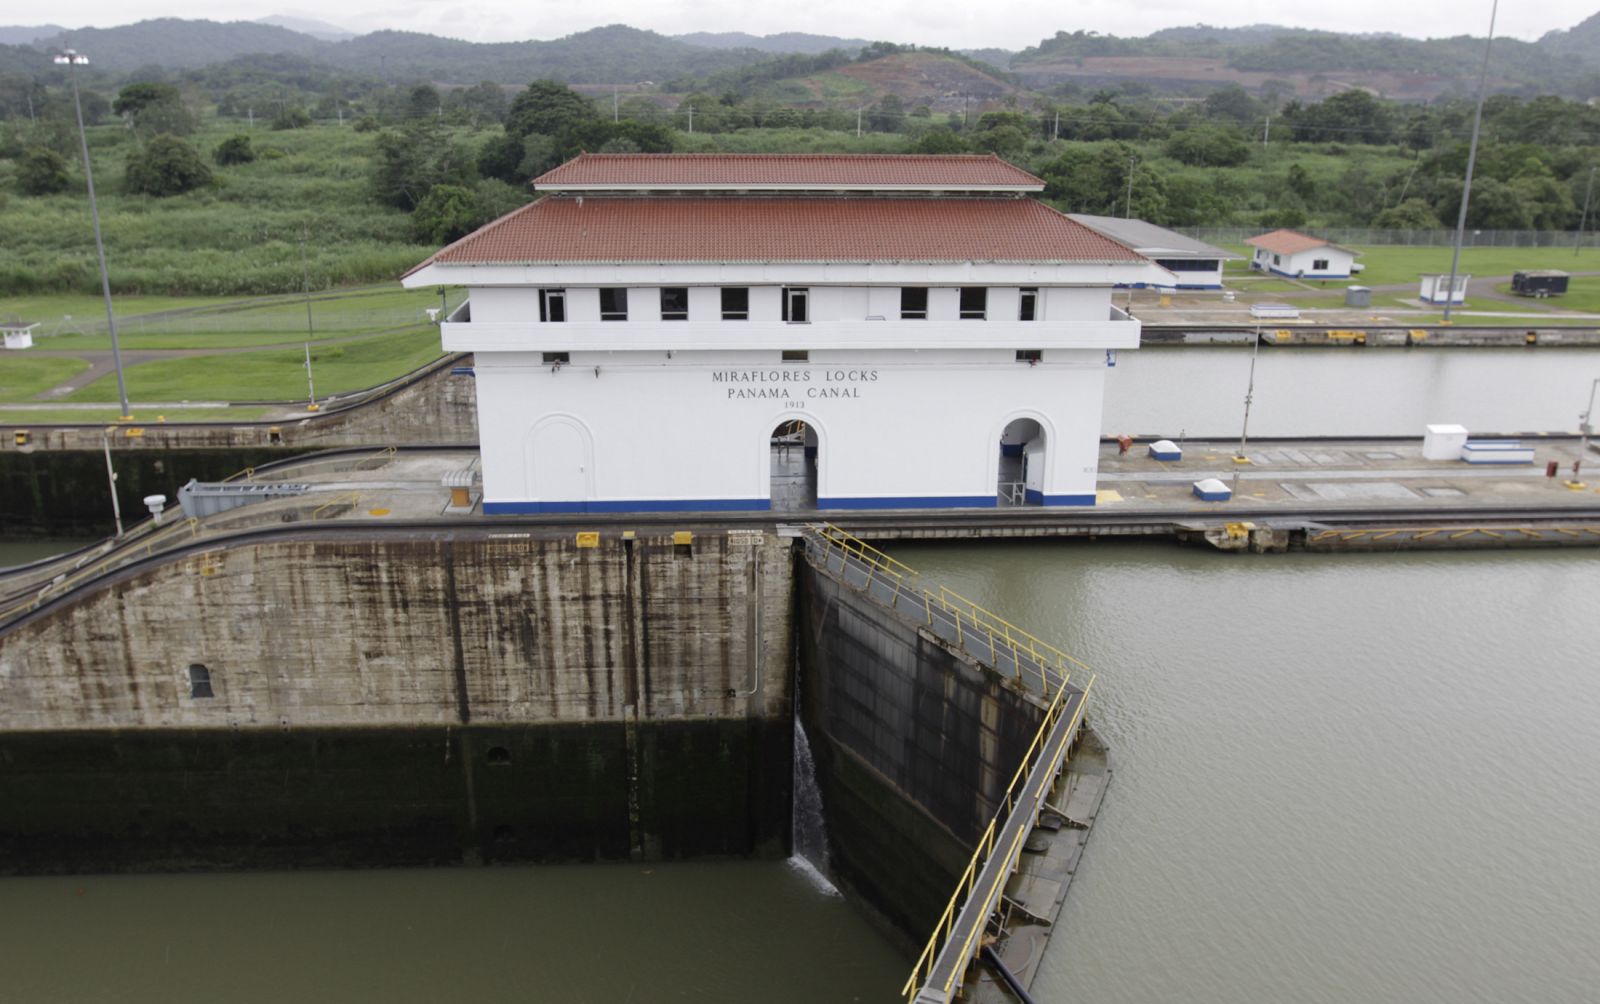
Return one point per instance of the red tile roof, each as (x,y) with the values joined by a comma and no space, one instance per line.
(1290,242)
(786,170)
(565,228)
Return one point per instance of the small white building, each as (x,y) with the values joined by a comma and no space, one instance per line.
(18,336)
(1193,264)
(714,332)
(1301,256)
(1432,288)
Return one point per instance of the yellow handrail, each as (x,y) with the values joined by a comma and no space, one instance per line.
(985,849)
(108,562)
(966,615)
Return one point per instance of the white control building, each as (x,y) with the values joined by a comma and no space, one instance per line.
(709,332)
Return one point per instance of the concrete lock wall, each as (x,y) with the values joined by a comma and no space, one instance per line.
(383,699)
(914,744)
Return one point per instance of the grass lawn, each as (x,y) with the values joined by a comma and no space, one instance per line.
(109,416)
(1388,265)
(1583,294)
(275,375)
(210,322)
(23,376)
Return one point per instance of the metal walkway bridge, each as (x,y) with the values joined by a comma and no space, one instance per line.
(1044,670)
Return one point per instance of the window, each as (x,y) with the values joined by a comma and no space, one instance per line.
(199,681)
(1276,260)
(552,305)
(1030,356)
(1028,310)
(675,303)
(613,305)
(795,300)
(913,303)
(796,355)
(974,301)
(736,304)
(558,358)
(1319,265)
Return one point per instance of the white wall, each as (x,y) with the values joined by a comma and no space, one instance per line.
(891,425)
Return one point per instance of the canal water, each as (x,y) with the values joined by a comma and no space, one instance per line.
(1338,778)
(1198,391)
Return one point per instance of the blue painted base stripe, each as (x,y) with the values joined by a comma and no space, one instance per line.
(1040,498)
(626,505)
(1308,275)
(912,502)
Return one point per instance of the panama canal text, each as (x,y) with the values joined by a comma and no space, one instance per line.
(794,384)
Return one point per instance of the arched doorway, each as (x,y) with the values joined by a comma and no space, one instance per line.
(793,467)
(1021,470)
(560,461)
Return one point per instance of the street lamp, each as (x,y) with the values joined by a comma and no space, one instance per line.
(1585,427)
(73,59)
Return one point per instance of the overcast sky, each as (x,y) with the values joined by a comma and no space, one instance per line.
(1012,25)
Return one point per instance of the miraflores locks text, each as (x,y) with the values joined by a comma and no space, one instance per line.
(794,384)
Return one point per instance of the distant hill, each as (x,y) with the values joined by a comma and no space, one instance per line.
(178,43)
(616,54)
(1581,41)
(308,26)
(11,34)
(788,41)
(1312,63)
(943,82)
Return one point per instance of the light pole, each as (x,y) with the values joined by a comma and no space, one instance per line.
(72,59)
(1472,158)
(1584,219)
(1585,429)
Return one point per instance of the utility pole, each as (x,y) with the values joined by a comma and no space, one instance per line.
(858,122)
(616,105)
(305,286)
(1472,159)
(1249,394)
(1583,220)
(1585,428)
(1131,162)
(691,119)
(251,112)
(111,476)
(1266,131)
(1055,130)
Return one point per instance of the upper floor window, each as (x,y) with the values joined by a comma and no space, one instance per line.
(974,303)
(1028,310)
(675,303)
(552,305)
(796,304)
(735,303)
(913,303)
(613,305)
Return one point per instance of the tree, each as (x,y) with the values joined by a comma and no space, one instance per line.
(484,102)
(154,109)
(166,166)
(1412,214)
(1208,147)
(446,213)
(233,150)
(547,107)
(500,157)
(1232,104)
(407,165)
(940,139)
(423,102)
(42,172)
(291,117)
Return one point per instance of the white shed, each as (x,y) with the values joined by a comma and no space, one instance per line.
(1301,256)
(1432,288)
(18,336)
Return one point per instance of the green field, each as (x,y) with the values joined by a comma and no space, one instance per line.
(1392,264)
(275,374)
(22,376)
(209,323)
(68,416)
(240,235)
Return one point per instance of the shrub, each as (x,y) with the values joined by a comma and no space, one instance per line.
(42,172)
(233,150)
(291,118)
(166,166)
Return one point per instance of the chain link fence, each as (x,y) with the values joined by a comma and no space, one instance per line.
(330,317)
(1359,236)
